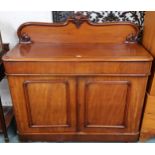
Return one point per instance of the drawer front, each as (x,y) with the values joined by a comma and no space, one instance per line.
(80,68)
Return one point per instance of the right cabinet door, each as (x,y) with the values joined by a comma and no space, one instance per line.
(110,104)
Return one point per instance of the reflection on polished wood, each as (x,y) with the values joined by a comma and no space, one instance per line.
(78,52)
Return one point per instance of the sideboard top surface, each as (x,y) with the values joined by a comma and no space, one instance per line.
(77,52)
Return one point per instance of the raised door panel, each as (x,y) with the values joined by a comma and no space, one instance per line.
(107,104)
(48,103)
(103,100)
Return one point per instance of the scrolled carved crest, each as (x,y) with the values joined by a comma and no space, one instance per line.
(78,18)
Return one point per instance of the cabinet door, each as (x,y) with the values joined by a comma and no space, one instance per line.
(110,104)
(44,104)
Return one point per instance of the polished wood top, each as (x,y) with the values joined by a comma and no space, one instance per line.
(77,52)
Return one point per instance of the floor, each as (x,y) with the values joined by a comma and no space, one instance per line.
(13,138)
(6,100)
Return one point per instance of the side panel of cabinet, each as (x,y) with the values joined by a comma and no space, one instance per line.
(44,104)
(111,104)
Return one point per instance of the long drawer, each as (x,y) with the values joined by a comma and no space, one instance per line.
(84,68)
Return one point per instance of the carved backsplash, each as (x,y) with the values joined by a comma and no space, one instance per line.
(136,17)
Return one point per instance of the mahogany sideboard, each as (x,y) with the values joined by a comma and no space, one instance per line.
(78,81)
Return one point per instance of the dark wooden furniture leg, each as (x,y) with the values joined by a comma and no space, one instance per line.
(5,118)
(2,121)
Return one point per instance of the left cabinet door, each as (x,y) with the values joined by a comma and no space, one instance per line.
(44,104)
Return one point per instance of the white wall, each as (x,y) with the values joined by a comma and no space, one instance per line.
(10,21)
